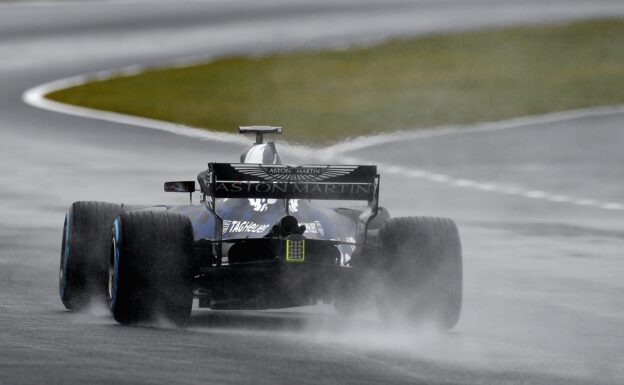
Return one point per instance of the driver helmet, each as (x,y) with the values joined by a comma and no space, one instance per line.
(264,153)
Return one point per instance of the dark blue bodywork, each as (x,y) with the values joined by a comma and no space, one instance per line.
(254,218)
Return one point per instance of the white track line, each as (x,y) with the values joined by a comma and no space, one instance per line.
(359,143)
(36,97)
(487,186)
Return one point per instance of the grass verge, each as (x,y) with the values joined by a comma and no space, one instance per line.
(325,96)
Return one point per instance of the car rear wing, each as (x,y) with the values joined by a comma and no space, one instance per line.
(332,182)
(271,181)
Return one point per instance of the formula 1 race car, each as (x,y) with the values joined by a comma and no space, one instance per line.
(256,240)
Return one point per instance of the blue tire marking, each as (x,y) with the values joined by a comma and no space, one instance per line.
(66,256)
(115,264)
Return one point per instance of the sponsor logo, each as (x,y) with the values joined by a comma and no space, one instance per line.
(287,188)
(261,205)
(293,174)
(314,228)
(230,226)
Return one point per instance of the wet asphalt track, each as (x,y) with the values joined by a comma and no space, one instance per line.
(544,297)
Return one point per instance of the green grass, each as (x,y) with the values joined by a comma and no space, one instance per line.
(325,96)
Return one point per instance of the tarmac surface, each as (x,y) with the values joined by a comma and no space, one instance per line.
(544,298)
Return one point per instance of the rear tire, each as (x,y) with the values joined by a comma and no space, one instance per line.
(150,269)
(422,271)
(83,272)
